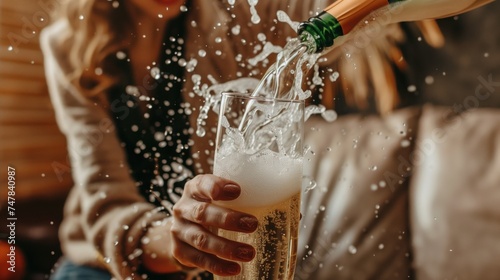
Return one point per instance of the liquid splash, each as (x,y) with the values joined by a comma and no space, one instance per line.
(213,94)
(283,80)
(283,17)
(255,16)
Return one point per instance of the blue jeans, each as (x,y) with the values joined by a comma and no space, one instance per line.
(70,271)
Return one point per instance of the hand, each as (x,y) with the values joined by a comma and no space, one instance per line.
(194,245)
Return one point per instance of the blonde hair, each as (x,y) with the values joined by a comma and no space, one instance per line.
(97,31)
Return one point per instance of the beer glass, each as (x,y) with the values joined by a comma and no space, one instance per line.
(259,146)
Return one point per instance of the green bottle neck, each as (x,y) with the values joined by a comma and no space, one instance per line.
(319,32)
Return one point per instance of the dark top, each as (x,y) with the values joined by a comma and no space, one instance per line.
(157,142)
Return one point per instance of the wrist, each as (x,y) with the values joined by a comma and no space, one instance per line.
(156,246)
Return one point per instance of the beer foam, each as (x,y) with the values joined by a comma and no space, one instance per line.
(266,178)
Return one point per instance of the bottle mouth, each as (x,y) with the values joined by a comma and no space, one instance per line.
(309,34)
(307,40)
(323,29)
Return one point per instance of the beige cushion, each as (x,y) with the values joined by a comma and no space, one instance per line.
(429,210)
(355,222)
(455,205)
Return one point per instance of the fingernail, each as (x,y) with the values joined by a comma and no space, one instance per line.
(233,269)
(230,191)
(248,223)
(245,253)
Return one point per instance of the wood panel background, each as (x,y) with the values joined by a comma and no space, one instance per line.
(30,140)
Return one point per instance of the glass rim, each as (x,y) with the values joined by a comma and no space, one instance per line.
(260,98)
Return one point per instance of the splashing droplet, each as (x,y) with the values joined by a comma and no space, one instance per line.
(155,73)
(317,79)
(121,55)
(182,62)
(191,65)
(236,29)
(201,132)
(145,240)
(255,17)
(283,17)
(261,37)
(334,76)
(405,143)
(268,49)
(329,115)
(352,249)
(309,184)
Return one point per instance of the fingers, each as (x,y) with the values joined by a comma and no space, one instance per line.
(189,256)
(194,214)
(195,205)
(205,241)
(211,215)
(211,187)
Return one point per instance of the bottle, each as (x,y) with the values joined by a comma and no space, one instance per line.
(336,20)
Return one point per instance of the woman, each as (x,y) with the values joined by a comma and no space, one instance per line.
(117,101)
(124,99)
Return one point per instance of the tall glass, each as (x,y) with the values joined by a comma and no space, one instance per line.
(259,146)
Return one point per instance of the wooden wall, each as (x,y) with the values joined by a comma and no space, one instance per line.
(29,138)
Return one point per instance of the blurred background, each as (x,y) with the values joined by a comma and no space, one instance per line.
(31,143)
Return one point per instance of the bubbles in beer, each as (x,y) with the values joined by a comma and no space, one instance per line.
(277,234)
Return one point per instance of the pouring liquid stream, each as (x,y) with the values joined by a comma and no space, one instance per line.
(283,80)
